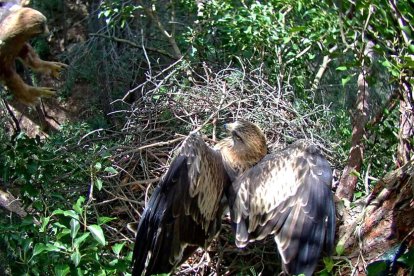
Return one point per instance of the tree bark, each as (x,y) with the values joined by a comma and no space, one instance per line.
(385,221)
(11,204)
(347,184)
(406,132)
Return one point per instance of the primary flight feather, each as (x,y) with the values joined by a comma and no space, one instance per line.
(184,212)
(288,195)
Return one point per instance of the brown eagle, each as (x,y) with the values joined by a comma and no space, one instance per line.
(184,212)
(287,194)
(17,26)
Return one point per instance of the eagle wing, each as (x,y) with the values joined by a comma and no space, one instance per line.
(288,195)
(183,212)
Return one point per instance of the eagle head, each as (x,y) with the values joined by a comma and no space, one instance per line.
(23,24)
(245,146)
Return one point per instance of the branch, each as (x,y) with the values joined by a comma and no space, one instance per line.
(117,39)
(389,105)
(322,69)
(348,182)
(402,23)
(10,203)
(151,13)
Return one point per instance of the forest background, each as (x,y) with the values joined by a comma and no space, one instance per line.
(77,169)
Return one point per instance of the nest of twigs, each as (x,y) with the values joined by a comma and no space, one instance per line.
(178,100)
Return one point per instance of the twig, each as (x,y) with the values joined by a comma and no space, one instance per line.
(135,45)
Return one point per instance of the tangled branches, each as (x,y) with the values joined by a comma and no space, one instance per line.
(181,99)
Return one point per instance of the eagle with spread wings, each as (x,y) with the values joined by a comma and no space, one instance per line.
(17,26)
(286,194)
(185,210)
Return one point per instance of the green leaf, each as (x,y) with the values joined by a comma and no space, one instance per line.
(63,233)
(81,239)
(74,228)
(97,233)
(355,173)
(52,248)
(66,213)
(45,222)
(386,63)
(98,166)
(339,249)
(341,68)
(78,206)
(408,258)
(376,268)
(62,269)
(111,170)
(116,248)
(329,263)
(76,257)
(39,248)
(27,244)
(345,80)
(98,184)
(104,220)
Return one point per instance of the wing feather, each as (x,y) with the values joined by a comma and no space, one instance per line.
(183,212)
(287,194)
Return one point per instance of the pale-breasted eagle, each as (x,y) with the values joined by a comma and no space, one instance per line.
(184,211)
(288,195)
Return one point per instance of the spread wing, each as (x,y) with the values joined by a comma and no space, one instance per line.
(288,195)
(183,212)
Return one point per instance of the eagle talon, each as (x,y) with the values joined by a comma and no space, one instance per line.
(56,68)
(17,26)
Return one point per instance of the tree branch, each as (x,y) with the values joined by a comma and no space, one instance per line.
(162,52)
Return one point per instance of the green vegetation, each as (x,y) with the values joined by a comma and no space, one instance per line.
(149,72)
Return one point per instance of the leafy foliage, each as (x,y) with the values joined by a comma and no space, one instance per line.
(59,238)
(271,52)
(61,243)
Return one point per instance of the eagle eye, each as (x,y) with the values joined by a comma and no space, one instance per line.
(236,136)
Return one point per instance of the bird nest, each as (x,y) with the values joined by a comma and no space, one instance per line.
(180,99)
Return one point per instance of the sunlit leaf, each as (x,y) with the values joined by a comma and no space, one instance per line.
(78,241)
(339,249)
(78,206)
(39,248)
(104,220)
(116,248)
(111,170)
(98,184)
(76,257)
(97,233)
(74,228)
(61,269)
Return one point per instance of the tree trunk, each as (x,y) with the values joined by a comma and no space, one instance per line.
(386,220)
(347,184)
(405,147)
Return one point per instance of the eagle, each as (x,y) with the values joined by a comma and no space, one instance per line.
(17,26)
(185,210)
(287,195)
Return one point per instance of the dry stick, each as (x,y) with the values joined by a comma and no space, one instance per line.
(155,77)
(223,97)
(140,182)
(158,144)
(117,39)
